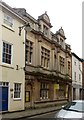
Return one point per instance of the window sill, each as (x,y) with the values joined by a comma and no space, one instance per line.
(8,27)
(46,68)
(16,99)
(28,63)
(44,99)
(7,65)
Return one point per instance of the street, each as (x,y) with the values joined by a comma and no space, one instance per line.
(46,115)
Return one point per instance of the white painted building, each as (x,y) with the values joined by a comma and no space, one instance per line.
(76,77)
(12,60)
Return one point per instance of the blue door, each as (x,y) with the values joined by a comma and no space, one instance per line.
(4,98)
(0,98)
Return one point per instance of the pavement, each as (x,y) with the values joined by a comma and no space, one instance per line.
(28,113)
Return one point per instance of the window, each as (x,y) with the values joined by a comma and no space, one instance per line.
(79,67)
(4,84)
(45,57)
(69,66)
(75,106)
(29,51)
(54,61)
(44,91)
(75,63)
(61,42)
(8,20)
(45,30)
(79,77)
(17,90)
(7,53)
(75,76)
(62,64)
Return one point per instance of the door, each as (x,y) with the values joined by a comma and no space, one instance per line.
(74,93)
(28,96)
(3,98)
(80,94)
(0,98)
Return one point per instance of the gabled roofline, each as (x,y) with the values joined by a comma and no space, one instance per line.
(10,9)
(76,56)
(24,14)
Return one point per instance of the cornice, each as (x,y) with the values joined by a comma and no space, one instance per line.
(11,10)
(49,77)
(49,24)
(50,41)
(60,35)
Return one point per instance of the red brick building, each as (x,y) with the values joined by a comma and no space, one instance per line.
(83,80)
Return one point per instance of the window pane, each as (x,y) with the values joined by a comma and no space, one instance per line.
(6,55)
(29,51)
(8,20)
(44,90)
(45,57)
(17,90)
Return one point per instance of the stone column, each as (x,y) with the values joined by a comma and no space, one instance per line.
(39,50)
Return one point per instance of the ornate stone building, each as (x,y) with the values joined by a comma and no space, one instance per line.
(48,63)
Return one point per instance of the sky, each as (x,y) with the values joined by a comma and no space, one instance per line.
(62,13)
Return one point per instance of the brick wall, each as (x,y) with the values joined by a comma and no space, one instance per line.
(83,80)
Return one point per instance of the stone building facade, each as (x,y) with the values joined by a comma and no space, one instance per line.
(47,63)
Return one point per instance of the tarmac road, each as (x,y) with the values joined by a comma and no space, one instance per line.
(38,117)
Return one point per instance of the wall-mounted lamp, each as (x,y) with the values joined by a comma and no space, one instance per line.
(26,26)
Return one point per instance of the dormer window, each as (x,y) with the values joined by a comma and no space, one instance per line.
(61,42)
(45,30)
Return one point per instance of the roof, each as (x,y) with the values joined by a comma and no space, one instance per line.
(22,12)
(76,56)
(6,6)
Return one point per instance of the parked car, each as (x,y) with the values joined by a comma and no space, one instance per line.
(73,110)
